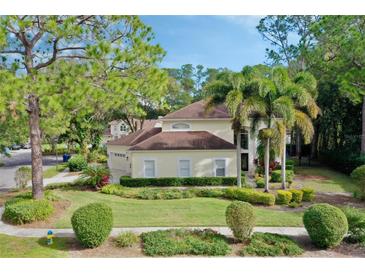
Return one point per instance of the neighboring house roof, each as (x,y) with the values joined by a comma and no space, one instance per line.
(146,123)
(198,110)
(183,140)
(135,137)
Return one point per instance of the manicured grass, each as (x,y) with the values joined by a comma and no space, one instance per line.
(334,181)
(181,212)
(54,170)
(19,247)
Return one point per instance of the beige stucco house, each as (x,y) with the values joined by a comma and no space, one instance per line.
(190,142)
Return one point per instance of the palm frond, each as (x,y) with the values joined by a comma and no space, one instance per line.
(304,123)
(284,108)
(280,77)
(233,101)
(312,108)
(250,106)
(308,82)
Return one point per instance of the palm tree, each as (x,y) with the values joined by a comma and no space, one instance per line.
(287,103)
(234,91)
(303,91)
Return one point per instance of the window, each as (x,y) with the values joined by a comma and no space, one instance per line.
(123,128)
(220,167)
(184,168)
(244,139)
(181,126)
(149,169)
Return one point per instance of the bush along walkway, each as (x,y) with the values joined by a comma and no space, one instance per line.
(12,230)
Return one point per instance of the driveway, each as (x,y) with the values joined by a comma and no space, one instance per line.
(19,158)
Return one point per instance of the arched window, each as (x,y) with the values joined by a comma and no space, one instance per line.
(180,126)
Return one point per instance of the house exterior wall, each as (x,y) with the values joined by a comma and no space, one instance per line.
(219,127)
(115,129)
(119,161)
(202,162)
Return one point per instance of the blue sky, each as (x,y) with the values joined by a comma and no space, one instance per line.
(213,41)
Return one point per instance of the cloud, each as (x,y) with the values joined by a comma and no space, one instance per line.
(248,22)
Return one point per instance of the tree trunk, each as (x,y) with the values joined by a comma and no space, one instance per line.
(298,146)
(35,141)
(363,126)
(291,142)
(315,142)
(266,163)
(283,164)
(238,152)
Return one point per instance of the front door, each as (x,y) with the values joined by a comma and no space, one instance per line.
(244,161)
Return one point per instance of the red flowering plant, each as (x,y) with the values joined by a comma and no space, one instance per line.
(96,175)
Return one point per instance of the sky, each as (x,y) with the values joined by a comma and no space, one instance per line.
(212,41)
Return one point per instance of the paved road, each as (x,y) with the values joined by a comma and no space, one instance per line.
(19,158)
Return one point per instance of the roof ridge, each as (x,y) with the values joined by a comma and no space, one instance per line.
(184,107)
(145,140)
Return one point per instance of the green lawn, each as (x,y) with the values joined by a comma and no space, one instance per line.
(334,181)
(181,212)
(54,170)
(21,247)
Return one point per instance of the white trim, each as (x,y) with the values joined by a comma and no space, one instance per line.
(180,129)
(195,119)
(182,150)
(225,166)
(178,166)
(144,167)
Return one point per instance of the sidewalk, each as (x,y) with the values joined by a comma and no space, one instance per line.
(68,232)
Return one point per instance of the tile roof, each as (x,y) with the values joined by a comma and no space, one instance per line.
(183,140)
(197,111)
(135,137)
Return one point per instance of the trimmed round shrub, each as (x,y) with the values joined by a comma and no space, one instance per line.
(358,174)
(297,195)
(283,197)
(21,210)
(92,224)
(77,163)
(326,225)
(308,194)
(240,217)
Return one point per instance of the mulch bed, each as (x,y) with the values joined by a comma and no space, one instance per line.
(59,206)
(339,200)
(311,177)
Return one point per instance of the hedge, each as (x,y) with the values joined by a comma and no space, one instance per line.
(177,181)
(297,195)
(308,194)
(283,197)
(344,160)
(21,210)
(250,196)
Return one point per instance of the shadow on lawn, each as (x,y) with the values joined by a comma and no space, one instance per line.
(61,244)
